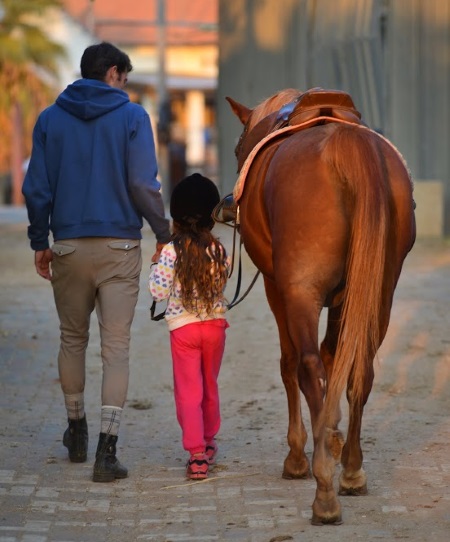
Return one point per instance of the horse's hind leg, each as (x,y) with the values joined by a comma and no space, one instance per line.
(327,354)
(304,313)
(352,480)
(296,464)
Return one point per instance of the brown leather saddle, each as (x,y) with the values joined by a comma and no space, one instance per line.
(317,102)
(312,108)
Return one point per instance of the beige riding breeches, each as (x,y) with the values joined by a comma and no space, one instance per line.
(101,273)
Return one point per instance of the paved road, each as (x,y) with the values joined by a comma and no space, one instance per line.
(45,498)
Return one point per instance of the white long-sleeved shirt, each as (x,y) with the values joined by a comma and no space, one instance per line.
(164,285)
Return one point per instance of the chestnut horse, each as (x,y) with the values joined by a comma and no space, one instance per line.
(327,216)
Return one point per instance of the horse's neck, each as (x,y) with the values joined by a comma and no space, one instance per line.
(263,128)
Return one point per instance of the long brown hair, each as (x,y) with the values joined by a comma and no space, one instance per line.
(200,266)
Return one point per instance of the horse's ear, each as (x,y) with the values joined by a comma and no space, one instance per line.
(241,111)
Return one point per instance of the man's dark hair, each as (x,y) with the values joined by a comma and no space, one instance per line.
(97,59)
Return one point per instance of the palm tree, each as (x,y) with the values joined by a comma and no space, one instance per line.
(26,54)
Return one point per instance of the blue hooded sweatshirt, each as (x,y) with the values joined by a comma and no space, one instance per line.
(92,171)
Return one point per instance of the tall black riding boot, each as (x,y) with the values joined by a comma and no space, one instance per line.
(107,467)
(76,439)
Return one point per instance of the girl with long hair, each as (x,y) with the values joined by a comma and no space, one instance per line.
(191,274)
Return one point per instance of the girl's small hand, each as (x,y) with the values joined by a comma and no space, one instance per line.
(159,247)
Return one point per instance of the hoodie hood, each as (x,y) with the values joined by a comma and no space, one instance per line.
(88,98)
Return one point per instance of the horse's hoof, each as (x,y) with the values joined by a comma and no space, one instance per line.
(326,509)
(354,485)
(296,475)
(315,520)
(294,469)
(353,491)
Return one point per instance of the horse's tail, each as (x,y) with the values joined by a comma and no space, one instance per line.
(355,155)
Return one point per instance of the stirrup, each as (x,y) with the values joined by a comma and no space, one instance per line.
(226,211)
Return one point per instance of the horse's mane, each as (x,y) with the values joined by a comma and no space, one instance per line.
(273,103)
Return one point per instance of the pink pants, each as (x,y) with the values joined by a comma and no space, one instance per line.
(197,351)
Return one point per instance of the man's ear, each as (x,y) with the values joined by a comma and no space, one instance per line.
(111,75)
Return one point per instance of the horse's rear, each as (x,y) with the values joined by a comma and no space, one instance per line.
(327,216)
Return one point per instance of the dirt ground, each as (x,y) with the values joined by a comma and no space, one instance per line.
(406,428)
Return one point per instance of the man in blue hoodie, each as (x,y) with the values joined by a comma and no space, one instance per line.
(90,182)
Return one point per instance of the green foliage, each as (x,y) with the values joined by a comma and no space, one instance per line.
(25,51)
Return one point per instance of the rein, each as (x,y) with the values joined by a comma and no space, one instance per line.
(235,301)
(227,205)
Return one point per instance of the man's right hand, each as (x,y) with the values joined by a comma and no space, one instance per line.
(42,259)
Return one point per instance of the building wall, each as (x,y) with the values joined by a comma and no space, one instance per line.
(418,97)
(74,37)
(392,56)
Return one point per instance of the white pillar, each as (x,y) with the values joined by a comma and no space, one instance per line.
(195,133)
(150,106)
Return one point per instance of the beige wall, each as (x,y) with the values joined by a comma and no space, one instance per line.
(429,198)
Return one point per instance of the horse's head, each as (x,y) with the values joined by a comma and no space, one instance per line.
(244,114)
(262,118)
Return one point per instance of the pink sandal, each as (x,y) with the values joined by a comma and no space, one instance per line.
(197,467)
(211,451)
